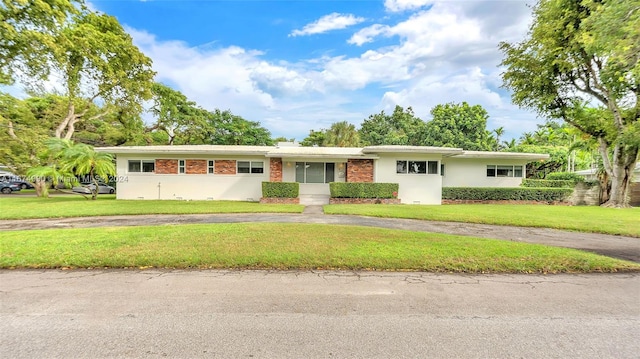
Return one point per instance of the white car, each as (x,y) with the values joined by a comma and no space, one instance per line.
(88,187)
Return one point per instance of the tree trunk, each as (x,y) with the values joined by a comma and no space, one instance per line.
(41,187)
(624,161)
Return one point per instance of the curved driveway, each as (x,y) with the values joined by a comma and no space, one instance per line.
(627,248)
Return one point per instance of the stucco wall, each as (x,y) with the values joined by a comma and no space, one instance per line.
(239,186)
(414,188)
(472,172)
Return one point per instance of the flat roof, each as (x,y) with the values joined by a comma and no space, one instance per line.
(325,152)
(504,155)
(188,150)
(368,152)
(413,150)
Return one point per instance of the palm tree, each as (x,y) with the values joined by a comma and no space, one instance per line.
(83,159)
(53,170)
(499,132)
(342,134)
(509,145)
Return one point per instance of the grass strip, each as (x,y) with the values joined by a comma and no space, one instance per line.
(289,246)
(575,218)
(18,207)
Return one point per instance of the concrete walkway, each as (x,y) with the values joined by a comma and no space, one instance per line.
(627,248)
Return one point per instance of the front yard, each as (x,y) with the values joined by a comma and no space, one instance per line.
(574,218)
(289,246)
(304,246)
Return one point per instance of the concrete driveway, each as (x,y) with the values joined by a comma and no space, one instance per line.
(261,314)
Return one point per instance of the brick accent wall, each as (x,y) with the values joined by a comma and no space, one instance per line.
(225,167)
(275,170)
(196,167)
(364,201)
(272,200)
(359,170)
(165,167)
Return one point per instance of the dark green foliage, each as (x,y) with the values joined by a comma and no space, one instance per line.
(280,189)
(506,194)
(459,125)
(400,128)
(565,176)
(363,190)
(538,183)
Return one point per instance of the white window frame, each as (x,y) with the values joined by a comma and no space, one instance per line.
(511,171)
(211,167)
(182,167)
(427,167)
(324,172)
(252,169)
(141,163)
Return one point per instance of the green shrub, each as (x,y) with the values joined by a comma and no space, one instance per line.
(280,189)
(565,176)
(363,190)
(538,183)
(507,194)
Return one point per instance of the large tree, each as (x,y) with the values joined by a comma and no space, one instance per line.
(178,118)
(399,128)
(315,138)
(230,129)
(459,125)
(22,135)
(88,57)
(28,34)
(579,63)
(341,134)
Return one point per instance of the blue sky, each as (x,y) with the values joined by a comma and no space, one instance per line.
(301,65)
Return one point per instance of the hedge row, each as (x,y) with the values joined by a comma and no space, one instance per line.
(564,176)
(363,190)
(507,194)
(543,183)
(280,189)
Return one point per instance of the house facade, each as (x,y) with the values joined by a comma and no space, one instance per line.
(205,172)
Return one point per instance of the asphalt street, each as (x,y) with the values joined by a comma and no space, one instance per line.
(264,314)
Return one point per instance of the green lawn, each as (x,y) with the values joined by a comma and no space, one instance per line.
(21,207)
(288,246)
(579,218)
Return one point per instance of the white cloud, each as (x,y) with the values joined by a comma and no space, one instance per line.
(402,5)
(334,21)
(368,34)
(446,53)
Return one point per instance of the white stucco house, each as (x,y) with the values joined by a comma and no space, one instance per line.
(205,172)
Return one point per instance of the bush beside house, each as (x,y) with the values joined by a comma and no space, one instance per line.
(363,193)
(280,192)
(491,194)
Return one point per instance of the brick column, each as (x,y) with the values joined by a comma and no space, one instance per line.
(275,169)
(359,170)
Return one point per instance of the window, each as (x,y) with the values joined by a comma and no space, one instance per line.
(442,170)
(181,166)
(517,171)
(211,167)
(142,166)
(250,167)
(135,166)
(315,172)
(417,167)
(432,167)
(504,171)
